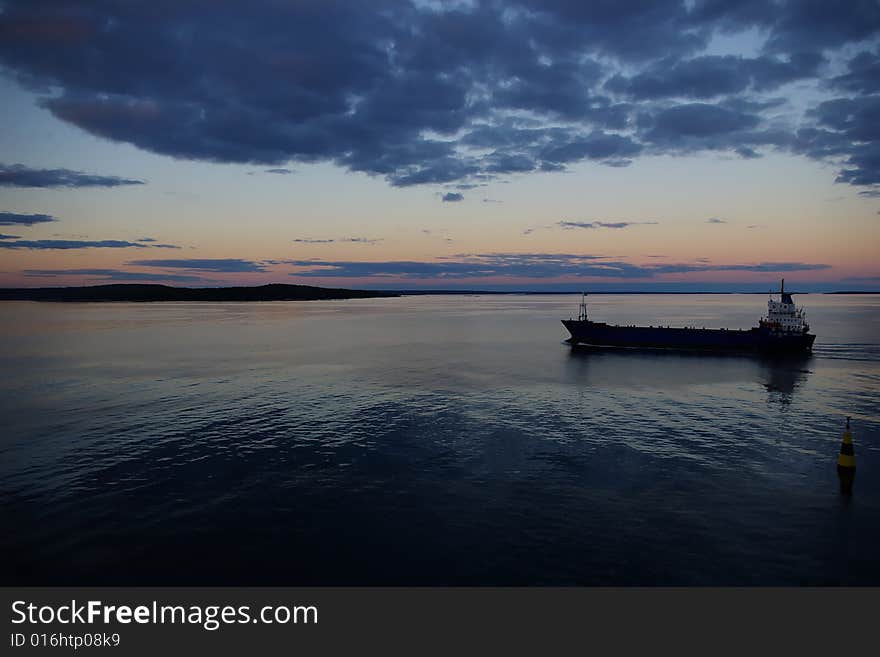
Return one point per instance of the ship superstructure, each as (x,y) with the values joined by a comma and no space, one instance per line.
(783,315)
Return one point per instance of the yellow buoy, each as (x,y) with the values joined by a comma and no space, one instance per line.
(846,462)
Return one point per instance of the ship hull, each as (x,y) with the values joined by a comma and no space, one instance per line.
(648,337)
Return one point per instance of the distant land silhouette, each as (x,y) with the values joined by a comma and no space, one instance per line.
(271,292)
(140,292)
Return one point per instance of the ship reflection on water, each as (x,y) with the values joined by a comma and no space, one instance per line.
(780,376)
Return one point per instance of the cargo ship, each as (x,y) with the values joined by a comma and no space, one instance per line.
(783,331)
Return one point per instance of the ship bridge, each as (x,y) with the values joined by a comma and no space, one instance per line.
(784,315)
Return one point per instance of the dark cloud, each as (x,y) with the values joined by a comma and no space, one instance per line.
(8,237)
(856,119)
(71,244)
(441,93)
(225,265)
(692,127)
(15,219)
(823,24)
(147,239)
(863,75)
(595,146)
(747,153)
(849,129)
(18,175)
(110,275)
(282,171)
(522,265)
(452,197)
(697,121)
(709,76)
(791,23)
(509,163)
(863,166)
(631,31)
(547,149)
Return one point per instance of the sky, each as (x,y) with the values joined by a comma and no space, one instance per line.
(518,145)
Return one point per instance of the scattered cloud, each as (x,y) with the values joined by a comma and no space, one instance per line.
(568,225)
(459,92)
(153,242)
(491,200)
(715,220)
(281,171)
(18,175)
(440,234)
(589,225)
(111,275)
(8,237)
(341,240)
(71,244)
(15,219)
(224,265)
(452,197)
(523,265)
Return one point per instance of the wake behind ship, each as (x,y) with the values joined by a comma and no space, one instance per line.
(784,331)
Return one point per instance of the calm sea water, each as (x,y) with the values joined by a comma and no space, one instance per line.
(431,440)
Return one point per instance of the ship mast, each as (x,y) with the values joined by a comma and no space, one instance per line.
(582,310)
